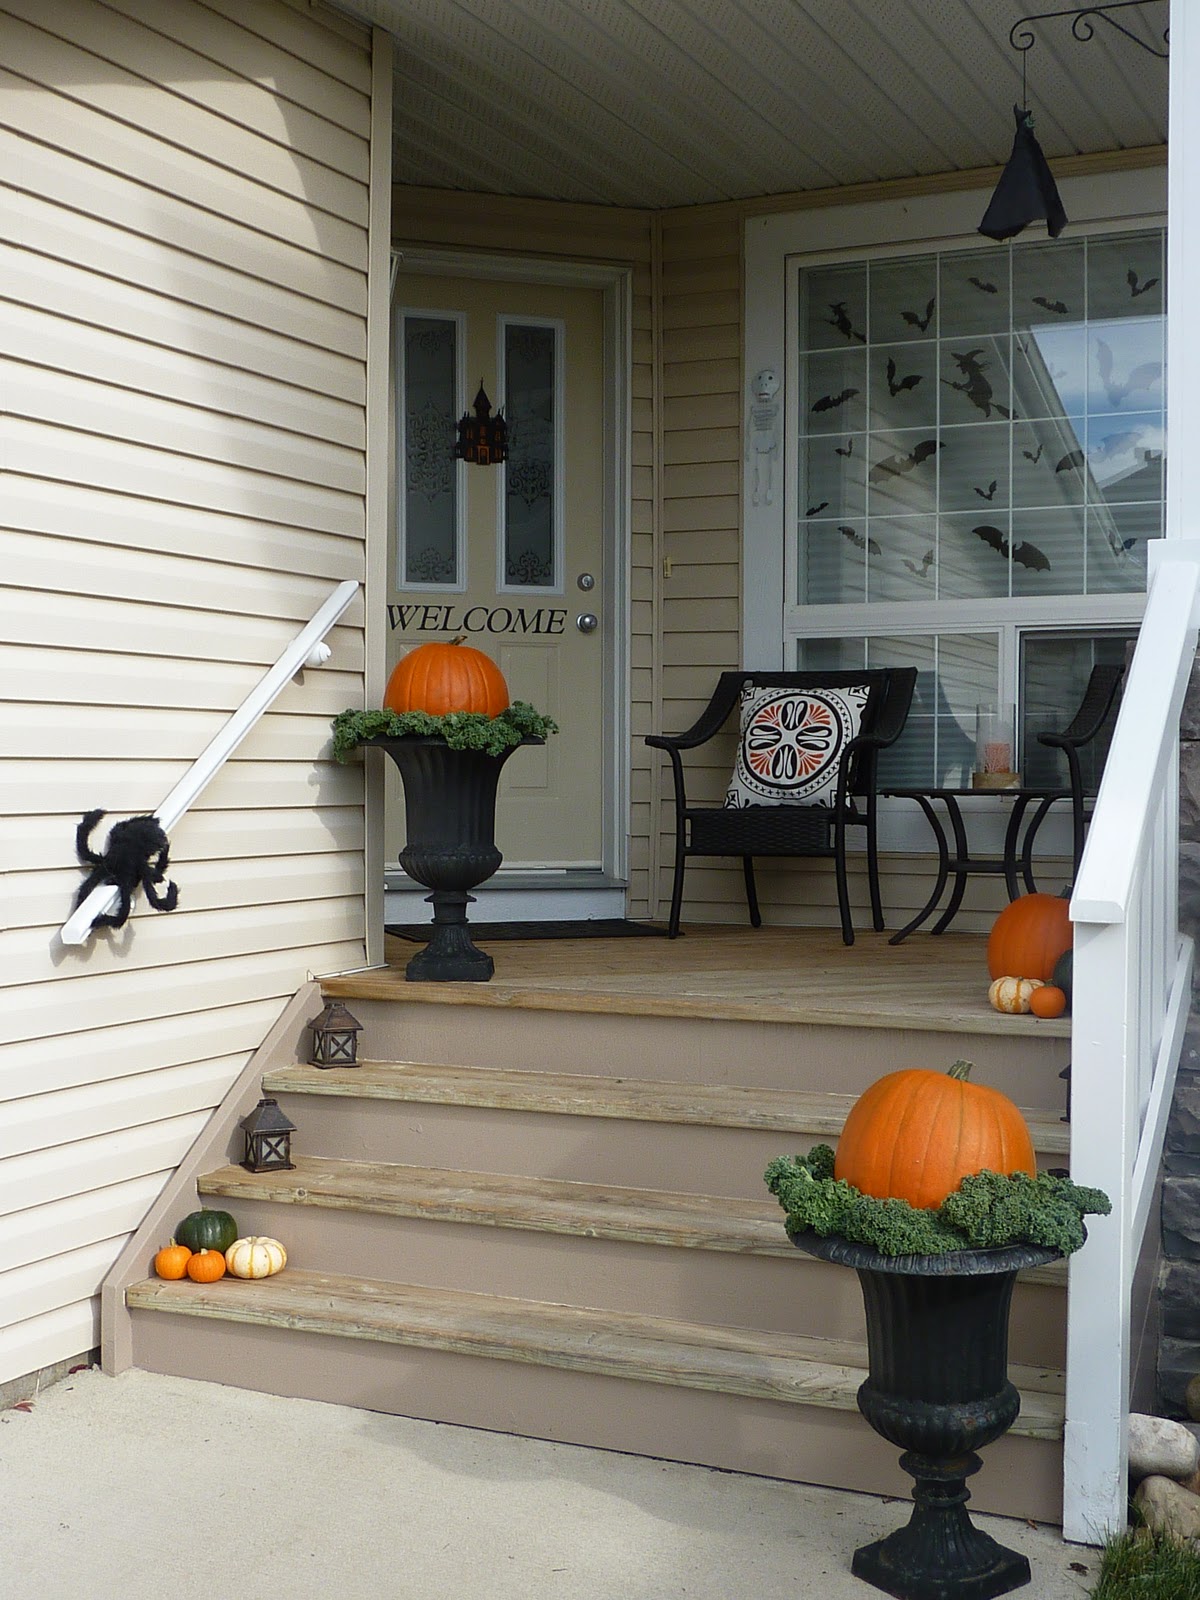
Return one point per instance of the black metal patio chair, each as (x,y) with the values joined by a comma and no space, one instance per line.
(792,829)
(1092,718)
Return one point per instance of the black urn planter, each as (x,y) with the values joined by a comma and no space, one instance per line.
(937,1342)
(450,805)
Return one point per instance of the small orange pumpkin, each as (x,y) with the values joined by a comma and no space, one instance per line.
(915,1135)
(206,1266)
(171,1261)
(440,677)
(1028,937)
(1048,1001)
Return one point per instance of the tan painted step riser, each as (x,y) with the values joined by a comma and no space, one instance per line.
(1021,1476)
(790,1294)
(651,1155)
(843,1060)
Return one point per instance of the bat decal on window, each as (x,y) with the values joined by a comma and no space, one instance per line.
(915,320)
(1136,288)
(898,385)
(828,402)
(1024,554)
(989,493)
(857,540)
(1057,306)
(895,466)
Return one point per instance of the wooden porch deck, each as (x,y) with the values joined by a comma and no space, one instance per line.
(935,983)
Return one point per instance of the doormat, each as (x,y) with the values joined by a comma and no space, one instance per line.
(596,928)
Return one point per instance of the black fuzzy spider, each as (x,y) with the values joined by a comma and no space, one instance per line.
(135,857)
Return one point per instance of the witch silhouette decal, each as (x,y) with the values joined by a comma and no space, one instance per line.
(1026,191)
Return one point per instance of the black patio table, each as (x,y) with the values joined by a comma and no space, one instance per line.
(1016,855)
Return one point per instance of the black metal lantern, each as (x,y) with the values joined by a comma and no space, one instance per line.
(482,438)
(334,1037)
(268,1139)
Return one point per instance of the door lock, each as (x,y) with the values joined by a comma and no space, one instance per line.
(586,581)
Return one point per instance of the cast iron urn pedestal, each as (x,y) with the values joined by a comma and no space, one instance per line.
(937,1343)
(450,807)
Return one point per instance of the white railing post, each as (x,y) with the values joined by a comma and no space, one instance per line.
(1100,1276)
(306,649)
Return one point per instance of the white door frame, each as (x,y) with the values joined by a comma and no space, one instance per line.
(616,285)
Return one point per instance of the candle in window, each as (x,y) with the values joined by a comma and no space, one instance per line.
(993,747)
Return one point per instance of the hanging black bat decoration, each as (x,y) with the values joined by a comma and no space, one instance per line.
(922,570)
(974,386)
(857,540)
(1144,376)
(1025,554)
(848,450)
(813,510)
(895,466)
(985,288)
(989,493)
(1057,306)
(828,402)
(841,321)
(1026,191)
(915,320)
(1072,461)
(1034,456)
(898,385)
(1136,288)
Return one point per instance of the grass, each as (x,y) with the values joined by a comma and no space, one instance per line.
(1141,1565)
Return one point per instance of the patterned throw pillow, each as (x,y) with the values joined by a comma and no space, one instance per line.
(791,744)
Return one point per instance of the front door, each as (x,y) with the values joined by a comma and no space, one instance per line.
(511,556)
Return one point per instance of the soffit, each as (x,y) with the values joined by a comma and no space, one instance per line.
(664,103)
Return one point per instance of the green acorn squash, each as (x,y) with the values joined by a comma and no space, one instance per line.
(1064,974)
(207,1230)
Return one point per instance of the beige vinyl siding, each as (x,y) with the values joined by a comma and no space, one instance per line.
(535,228)
(701,523)
(184,273)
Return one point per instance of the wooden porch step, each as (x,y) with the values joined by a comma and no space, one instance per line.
(811,1113)
(757,1365)
(546,1205)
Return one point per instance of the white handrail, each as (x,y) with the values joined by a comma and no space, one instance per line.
(1142,745)
(306,649)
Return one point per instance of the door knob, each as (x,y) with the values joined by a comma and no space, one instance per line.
(587,622)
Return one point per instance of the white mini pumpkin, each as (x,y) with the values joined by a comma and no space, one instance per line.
(255,1257)
(1013,994)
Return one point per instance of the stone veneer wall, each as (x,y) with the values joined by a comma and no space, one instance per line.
(1179,1344)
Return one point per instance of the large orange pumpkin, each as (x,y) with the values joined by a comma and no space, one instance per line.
(1028,937)
(915,1135)
(451,676)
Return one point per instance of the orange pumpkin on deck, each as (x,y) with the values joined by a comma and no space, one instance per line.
(1028,937)
(915,1135)
(441,677)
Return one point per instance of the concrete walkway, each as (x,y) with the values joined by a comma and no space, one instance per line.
(151,1488)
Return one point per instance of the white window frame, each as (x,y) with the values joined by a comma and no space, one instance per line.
(775,247)
(503,322)
(399,315)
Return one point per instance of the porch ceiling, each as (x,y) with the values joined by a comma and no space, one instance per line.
(663,103)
